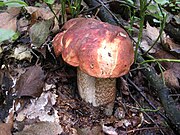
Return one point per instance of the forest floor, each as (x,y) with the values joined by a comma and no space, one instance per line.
(39,94)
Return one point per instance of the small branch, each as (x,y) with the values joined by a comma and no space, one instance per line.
(172,113)
(161,60)
(148,128)
(144,112)
(147,100)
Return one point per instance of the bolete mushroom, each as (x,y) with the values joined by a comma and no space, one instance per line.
(101,51)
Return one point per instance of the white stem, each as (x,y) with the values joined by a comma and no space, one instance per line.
(98,91)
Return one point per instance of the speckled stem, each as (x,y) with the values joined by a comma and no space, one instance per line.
(98,91)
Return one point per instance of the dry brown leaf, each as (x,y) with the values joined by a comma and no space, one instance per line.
(152,32)
(9,21)
(42,128)
(175,67)
(5,129)
(170,79)
(129,122)
(31,82)
(44,13)
(14,11)
(9,18)
(145,46)
(95,130)
(170,45)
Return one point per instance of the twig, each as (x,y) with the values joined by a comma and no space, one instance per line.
(148,128)
(146,113)
(50,7)
(147,100)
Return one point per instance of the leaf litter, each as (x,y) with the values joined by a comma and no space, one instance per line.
(50,100)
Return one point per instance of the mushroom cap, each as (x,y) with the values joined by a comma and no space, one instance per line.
(99,49)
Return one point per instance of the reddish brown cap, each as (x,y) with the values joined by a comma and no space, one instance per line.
(99,49)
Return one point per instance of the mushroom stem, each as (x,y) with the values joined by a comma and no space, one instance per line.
(98,91)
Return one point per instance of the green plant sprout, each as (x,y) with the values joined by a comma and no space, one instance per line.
(159,65)
(74,7)
(161,60)
(155,10)
(142,16)
(162,26)
(145,109)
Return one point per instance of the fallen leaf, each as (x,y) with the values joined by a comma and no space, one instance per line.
(5,129)
(170,45)
(39,32)
(145,47)
(9,22)
(134,121)
(170,79)
(40,109)
(94,130)
(22,53)
(153,32)
(175,67)
(109,130)
(31,82)
(14,11)
(44,13)
(42,128)
(145,44)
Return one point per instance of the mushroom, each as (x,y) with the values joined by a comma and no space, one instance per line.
(101,51)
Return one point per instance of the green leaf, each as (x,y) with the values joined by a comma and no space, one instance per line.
(49,1)
(130,1)
(15,3)
(162,2)
(7,35)
(1,4)
(153,8)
